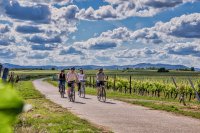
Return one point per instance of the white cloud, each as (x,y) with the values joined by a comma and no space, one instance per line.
(137,53)
(184,49)
(97,44)
(178,29)
(121,9)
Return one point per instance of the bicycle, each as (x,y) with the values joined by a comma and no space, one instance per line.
(102,93)
(82,89)
(71,93)
(62,89)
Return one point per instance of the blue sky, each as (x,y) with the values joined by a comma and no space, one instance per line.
(100,32)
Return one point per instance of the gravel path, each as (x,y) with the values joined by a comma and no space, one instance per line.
(121,117)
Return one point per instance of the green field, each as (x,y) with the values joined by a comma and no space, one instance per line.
(136,74)
(113,72)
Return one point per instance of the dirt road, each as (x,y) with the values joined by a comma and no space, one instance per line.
(121,117)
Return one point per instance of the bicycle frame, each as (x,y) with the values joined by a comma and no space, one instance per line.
(82,89)
(102,93)
(71,93)
(62,89)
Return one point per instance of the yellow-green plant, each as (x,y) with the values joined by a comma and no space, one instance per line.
(10,106)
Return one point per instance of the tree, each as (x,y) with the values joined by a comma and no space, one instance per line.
(192,69)
(53,68)
(163,70)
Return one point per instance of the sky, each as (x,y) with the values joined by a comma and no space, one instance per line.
(100,32)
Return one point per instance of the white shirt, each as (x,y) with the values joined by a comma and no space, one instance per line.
(81,77)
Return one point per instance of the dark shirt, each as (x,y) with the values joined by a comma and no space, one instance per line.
(62,77)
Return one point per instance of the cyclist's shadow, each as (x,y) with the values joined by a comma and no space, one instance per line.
(106,102)
(79,102)
(86,98)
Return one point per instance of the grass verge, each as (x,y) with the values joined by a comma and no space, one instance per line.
(47,117)
(192,109)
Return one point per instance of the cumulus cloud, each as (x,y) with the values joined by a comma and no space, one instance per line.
(97,44)
(6,40)
(39,29)
(107,40)
(38,55)
(7,53)
(49,24)
(104,12)
(184,49)
(49,47)
(185,26)
(70,50)
(27,29)
(178,29)
(121,9)
(4,28)
(44,40)
(136,53)
(39,12)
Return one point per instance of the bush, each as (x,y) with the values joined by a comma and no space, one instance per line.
(163,70)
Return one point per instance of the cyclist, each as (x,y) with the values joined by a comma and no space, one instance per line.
(100,78)
(62,79)
(81,77)
(71,78)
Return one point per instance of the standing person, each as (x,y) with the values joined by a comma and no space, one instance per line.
(11,77)
(17,79)
(81,78)
(100,78)
(62,79)
(71,78)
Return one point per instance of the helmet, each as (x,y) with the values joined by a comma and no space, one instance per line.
(73,68)
(101,69)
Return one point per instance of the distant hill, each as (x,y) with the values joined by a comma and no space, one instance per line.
(167,66)
(87,67)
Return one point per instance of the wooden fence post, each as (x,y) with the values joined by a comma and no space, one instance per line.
(90,81)
(114,81)
(107,83)
(130,85)
(93,82)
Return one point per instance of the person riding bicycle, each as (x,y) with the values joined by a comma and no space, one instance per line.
(100,78)
(81,77)
(71,78)
(62,79)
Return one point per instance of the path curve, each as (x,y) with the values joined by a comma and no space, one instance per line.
(121,117)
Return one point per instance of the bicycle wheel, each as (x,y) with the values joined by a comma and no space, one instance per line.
(60,90)
(99,95)
(69,95)
(80,92)
(73,96)
(83,91)
(103,94)
(63,91)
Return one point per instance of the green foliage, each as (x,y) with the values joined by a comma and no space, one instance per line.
(162,70)
(10,106)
